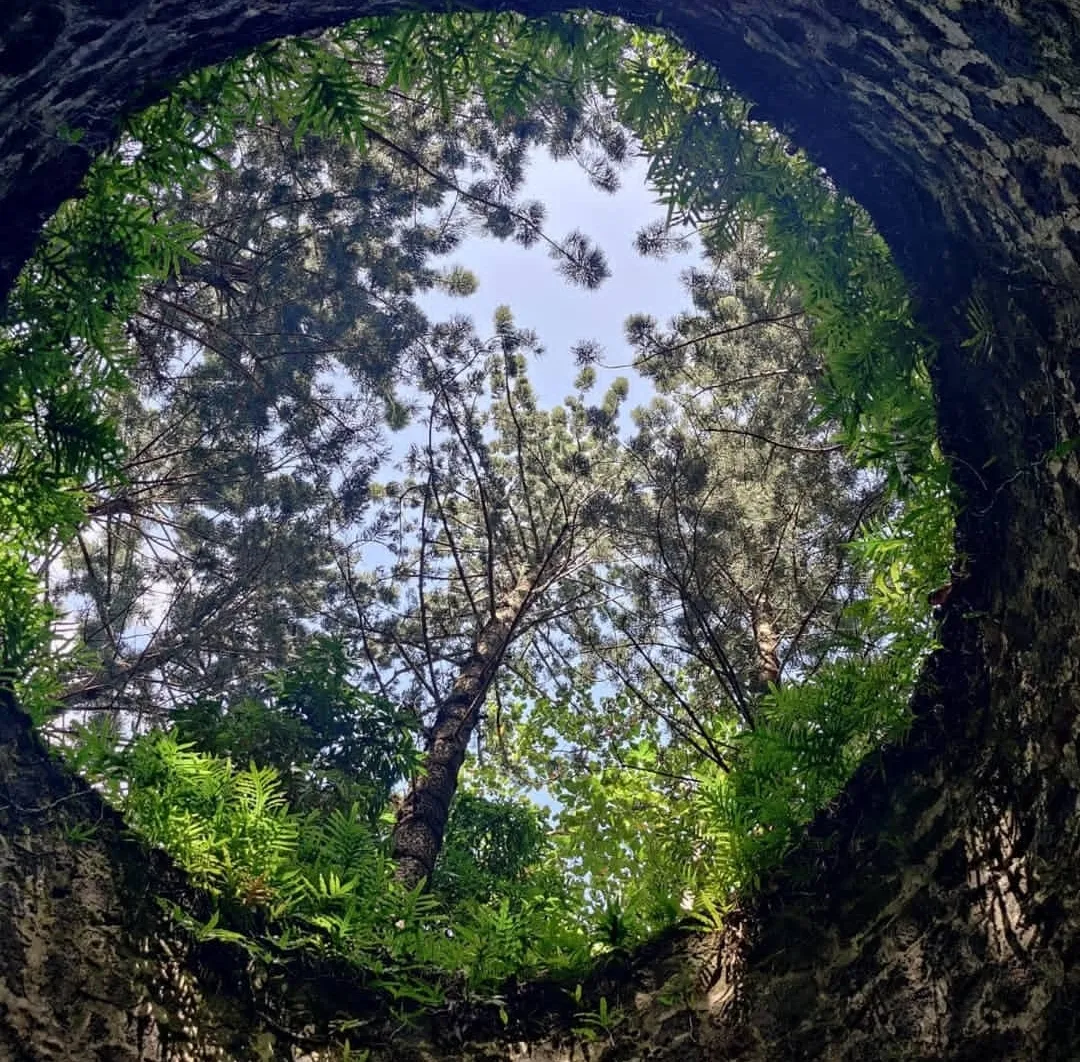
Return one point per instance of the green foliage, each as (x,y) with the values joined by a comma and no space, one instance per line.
(329,740)
(321,880)
(908,554)
(229,827)
(307,188)
(26,664)
(597,1024)
(809,739)
(718,169)
(314,874)
(491,846)
(630,841)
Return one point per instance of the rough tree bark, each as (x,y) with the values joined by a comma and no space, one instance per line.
(766,645)
(935,912)
(421,820)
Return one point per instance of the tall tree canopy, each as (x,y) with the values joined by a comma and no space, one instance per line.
(243,440)
(530,553)
(991,746)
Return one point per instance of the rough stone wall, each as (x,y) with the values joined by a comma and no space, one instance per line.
(92,968)
(72,907)
(935,912)
(81,943)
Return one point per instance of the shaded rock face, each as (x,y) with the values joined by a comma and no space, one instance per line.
(935,911)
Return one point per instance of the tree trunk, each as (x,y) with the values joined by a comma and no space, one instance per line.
(766,647)
(421,820)
(935,912)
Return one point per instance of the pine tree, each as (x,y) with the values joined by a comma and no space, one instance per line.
(735,561)
(494,534)
(267,372)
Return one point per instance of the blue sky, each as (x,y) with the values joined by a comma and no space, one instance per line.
(562,314)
